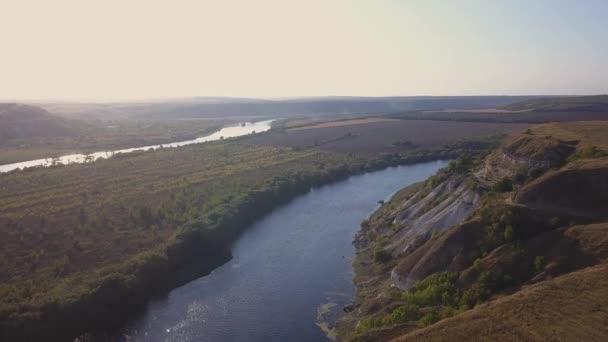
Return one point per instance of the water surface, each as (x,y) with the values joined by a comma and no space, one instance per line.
(287,269)
(226,132)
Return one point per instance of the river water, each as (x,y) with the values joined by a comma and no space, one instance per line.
(226,132)
(290,273)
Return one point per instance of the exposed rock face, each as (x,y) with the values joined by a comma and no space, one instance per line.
(448,252)
(450,203)
(446,205)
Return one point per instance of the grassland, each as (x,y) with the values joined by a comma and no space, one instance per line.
(568,308)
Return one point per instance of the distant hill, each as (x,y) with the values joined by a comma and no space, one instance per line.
(596,103)
(199,107)
(20,121)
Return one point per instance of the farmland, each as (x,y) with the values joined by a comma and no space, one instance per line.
(380,135)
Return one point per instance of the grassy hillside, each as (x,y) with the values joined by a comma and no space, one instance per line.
(567,308)
(532,211)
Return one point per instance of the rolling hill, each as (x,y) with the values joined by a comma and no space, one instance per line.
(20,121)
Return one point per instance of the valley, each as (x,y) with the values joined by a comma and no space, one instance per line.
(114,233)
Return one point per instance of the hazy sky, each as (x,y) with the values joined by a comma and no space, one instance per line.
(120,49)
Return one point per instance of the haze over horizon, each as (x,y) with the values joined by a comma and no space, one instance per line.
(116,50)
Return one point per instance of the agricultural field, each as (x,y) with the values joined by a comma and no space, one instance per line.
(373,135)
(62,220)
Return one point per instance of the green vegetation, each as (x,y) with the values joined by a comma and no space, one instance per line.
(589,151)
(430,318)
(402,314)
(539,263)
(508,234)
(436,289)
(381,255)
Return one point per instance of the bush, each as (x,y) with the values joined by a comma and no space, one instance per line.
(429,319)
(369,324)
(508,234)
(589,151)
(470,298)
(539,263)
(381,255)
(404,313)
(436,289)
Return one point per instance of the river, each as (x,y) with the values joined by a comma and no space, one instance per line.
(226,132)
(290,274)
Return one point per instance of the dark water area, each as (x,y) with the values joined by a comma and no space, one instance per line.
(290,273)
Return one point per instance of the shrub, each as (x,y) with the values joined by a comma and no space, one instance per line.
(477,265)
(429,318)
(539,263)
(404,313)
(589,151)
(369,324)
(436,289)
(508,234)
(381,255)
(470,298)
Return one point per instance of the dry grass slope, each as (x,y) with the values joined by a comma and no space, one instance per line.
(573,307)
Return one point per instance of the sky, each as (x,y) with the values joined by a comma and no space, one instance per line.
(142,49)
